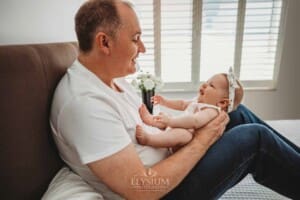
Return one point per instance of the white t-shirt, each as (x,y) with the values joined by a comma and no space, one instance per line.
(90,121)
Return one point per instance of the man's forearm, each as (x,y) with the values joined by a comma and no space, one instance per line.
(169,172)
(176,167)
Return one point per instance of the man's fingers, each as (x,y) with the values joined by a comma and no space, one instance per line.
(227,119)
(221,118)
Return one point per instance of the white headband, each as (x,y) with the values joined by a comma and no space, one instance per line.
(232,85)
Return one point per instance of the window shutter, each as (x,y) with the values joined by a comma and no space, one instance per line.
(176,40)
(261,31)
(189,41)
(218,33)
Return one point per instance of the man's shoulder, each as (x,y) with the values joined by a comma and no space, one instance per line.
(77,90)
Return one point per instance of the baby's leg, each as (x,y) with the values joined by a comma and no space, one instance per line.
(170,138)
(148,119)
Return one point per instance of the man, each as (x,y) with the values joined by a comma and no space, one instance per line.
(95,112)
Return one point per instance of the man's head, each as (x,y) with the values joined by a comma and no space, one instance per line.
(94,16)
(216,92)
(109,33)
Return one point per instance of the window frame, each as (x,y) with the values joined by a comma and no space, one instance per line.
(196,51)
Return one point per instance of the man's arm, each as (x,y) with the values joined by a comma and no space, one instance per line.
(120,181)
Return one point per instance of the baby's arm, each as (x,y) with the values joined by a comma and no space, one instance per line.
(173,104)
(195,120)
(174,137)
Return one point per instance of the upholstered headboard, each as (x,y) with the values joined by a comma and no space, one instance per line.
(28,77)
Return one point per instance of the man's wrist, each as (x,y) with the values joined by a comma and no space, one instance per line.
(197,147)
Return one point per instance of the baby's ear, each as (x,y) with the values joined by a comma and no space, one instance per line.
(223,104)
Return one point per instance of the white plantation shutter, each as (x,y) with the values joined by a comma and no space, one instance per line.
(261,32)
(176,40)
(219,22)
(187,41)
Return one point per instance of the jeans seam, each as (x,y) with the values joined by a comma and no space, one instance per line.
(232,173)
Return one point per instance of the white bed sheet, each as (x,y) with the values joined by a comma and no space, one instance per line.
(288,128)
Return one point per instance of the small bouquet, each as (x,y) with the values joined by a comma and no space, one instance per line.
(147,82)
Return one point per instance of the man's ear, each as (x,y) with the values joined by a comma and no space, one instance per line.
(223,104)
(103,43)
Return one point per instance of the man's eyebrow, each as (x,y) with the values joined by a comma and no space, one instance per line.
(138,33)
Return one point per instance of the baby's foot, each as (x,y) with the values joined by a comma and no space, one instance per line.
(146,117)
(141,135)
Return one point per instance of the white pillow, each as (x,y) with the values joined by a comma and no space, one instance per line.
(67,185)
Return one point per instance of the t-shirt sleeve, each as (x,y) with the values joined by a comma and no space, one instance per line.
(93,128)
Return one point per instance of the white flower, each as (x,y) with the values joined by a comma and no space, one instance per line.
(149,84)
(147,81)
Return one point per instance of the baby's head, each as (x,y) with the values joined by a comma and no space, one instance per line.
(216,92)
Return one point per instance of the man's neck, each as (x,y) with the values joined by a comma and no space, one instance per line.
(96,66)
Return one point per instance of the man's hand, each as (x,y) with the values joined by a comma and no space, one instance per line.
(211,132)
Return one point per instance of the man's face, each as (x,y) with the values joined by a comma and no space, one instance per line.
(127,43)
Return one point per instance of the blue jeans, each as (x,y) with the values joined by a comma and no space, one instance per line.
(248,146)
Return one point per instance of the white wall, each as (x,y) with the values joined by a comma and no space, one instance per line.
(43,21)
(283,103)
(37,21)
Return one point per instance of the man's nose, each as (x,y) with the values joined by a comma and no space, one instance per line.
(142,47)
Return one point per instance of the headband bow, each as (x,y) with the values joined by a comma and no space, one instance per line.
(232,85)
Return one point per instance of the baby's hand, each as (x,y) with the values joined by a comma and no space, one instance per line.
(157,99)
(162,118)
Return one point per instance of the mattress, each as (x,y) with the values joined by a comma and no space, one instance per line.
(248,188)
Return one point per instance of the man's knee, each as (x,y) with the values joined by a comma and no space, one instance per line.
(247,133)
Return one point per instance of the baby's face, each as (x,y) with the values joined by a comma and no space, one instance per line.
(214,90)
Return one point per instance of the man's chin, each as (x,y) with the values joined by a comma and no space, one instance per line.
(131,71)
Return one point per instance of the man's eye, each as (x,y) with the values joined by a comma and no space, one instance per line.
(136,39)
